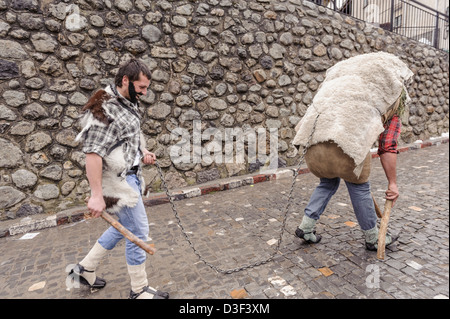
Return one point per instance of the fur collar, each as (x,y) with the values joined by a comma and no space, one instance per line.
(95,106)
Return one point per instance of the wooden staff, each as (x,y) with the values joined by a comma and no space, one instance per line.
(377,209)
(383,229)
(128,235)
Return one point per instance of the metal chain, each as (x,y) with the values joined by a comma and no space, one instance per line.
(283,224)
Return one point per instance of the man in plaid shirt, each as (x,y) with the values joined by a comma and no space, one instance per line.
(359,193)
(360,100)
(112,126)
(387,150)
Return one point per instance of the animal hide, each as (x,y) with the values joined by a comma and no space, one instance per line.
(116,191)
(327,160)
(351,101)
(94,113)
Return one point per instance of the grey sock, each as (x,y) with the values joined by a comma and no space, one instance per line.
(371,237)
(307,226)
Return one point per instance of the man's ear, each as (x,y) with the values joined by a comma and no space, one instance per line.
(125,81)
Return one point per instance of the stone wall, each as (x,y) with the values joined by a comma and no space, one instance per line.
(229,63)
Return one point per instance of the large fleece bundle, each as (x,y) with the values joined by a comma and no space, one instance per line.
(116,191)
(351,101)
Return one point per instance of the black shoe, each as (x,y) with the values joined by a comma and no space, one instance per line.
(301,234)
(157,294)
(78,271)
(374,246)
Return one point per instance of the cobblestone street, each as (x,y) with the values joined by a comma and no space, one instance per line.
(241,225)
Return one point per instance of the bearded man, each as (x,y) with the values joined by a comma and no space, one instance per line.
(115,149)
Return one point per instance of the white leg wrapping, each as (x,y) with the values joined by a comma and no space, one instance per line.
(139,284)
(139,280)
(91,261)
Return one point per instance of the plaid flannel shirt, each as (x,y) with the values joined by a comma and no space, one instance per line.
(387,142)
(122,131)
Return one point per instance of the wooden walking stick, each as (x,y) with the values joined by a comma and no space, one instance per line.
(377,209)
(128,235)
(125,232)
(383,229)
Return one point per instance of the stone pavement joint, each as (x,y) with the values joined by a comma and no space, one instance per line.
(238,226)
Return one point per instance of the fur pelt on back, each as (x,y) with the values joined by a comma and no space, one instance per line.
(116,191)
(351,101)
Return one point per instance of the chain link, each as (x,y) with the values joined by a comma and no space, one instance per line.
(283,224)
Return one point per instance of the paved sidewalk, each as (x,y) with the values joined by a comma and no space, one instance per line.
(239,226)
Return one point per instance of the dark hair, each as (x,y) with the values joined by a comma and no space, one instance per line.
(132,69)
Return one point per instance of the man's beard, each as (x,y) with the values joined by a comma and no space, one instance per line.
(132,92)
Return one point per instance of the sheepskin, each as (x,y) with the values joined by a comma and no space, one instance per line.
(116,191)
(351,101)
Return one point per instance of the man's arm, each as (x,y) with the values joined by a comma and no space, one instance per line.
(389,163)
(94,165)
(387,150)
